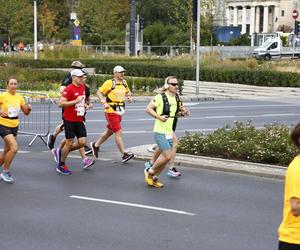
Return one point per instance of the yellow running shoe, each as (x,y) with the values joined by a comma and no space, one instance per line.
(157,184)
(148,179)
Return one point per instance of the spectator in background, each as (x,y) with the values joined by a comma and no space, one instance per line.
(5,47)
(40,46)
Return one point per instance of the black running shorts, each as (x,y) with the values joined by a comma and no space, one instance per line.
(288,246)
(4,131)
(74,129)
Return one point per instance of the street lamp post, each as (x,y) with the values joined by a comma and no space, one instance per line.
(132,28)
(35,32)
(198,48)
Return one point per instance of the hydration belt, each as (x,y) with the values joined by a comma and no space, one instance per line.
(11,118)
(115,105)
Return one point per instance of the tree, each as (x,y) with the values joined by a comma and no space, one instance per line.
(103,21)
(153,11)
(206,25)
(180,14)
(46,22)
(16,20)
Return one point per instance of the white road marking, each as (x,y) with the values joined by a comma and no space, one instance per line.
(184,118)
(19,151)
(133,205)
(193,106)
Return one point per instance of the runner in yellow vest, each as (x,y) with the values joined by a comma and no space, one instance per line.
(112,95)
(163,130)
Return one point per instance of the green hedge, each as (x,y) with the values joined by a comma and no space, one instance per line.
(159,69)
(271,144)
(252,77)
(41,80)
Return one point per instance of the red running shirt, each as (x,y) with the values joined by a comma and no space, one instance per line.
(74,113)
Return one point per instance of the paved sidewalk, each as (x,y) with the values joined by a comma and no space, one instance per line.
(219,90)
(182,160)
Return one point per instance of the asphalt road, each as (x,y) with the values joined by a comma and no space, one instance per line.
(203,210)
(206,117)
(110,207)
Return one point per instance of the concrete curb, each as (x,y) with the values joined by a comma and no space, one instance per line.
(217,164)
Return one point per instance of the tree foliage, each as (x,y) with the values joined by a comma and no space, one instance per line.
(16,20)
(101,21)
(104,22)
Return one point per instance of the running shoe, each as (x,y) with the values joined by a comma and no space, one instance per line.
(157,184)
(87,163)
(51,141)
(7,177)
(152,148)
(127,156)
(87,149)
(148,164)
(148,179)
(94,149)
(56,154)
(64,170)
(173,173)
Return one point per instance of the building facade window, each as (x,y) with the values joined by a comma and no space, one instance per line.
(282,13)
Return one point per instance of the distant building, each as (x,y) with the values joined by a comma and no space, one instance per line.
(260,16)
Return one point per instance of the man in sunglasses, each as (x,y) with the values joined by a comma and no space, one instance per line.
(164,135)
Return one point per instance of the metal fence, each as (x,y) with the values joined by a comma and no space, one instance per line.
(37,123)
(171,51)
(149,50)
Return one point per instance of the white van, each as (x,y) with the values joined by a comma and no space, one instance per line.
(272,48)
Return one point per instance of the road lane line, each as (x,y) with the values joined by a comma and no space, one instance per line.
(184,119)
(133,205)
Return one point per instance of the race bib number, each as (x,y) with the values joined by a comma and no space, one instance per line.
(80,108)
(80,111)
(120,110)
(169,137)
(12,112)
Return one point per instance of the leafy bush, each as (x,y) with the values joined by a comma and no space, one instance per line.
(42,80)
(246,72)
(159,34)
(271,144)
(243,40)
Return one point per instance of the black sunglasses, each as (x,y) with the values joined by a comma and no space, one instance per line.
(174,84)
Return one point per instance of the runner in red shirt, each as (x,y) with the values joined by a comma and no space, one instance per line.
(73,102)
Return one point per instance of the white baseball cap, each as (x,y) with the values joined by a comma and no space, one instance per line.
(77,72)
(119,69)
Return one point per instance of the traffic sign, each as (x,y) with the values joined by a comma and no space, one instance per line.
(295,14)
(76,31)
(76,22)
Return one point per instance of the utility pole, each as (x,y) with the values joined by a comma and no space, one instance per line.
(198,47)
(35,31)
(132,28)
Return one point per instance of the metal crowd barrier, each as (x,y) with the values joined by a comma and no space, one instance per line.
(37,123)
